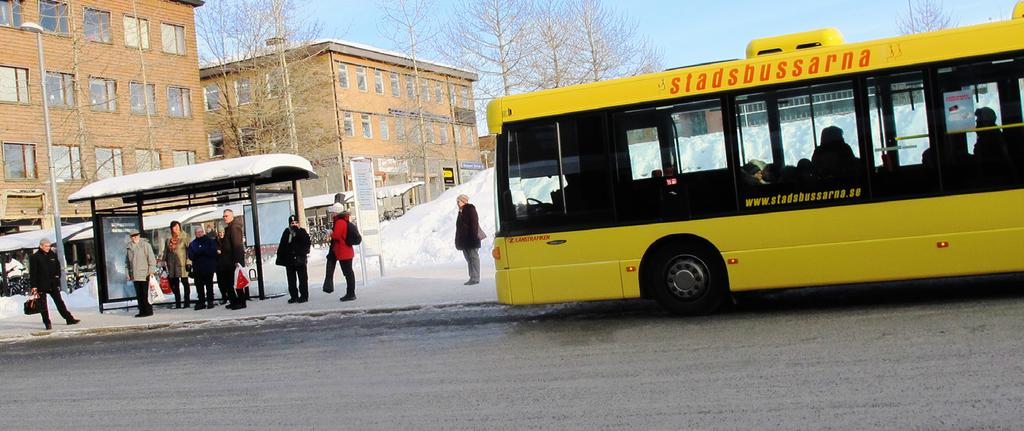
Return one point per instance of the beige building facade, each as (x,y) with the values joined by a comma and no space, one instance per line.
(349,100)
(124,95)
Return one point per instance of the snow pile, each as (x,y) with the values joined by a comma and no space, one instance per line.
(426,234)
(84,298)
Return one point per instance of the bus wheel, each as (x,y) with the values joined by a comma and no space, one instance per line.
(687,280)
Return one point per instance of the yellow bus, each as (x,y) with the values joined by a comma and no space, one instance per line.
(811,162)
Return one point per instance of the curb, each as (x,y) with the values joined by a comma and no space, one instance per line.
(109,330)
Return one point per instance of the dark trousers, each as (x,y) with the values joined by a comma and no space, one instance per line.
(58,301)
(226,282)
(346,269)
(142,297)
(298,290)
(183,281)
(204,288)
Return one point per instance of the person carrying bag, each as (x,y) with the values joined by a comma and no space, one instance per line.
(45,280)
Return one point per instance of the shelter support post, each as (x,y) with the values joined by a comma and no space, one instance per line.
(256,237)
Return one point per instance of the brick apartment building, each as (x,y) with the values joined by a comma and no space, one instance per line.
(350,100)
(124,94)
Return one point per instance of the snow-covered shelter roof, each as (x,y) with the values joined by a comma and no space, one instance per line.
(320,201)
(202,177)
(22,240)
(397,189)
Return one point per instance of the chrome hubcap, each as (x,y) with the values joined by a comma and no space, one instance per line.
(687,277)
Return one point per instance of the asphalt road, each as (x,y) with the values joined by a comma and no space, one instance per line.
(916,356)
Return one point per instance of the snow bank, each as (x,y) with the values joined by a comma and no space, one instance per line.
(426,234)
(84,298)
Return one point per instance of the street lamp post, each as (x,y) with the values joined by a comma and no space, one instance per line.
(55,200)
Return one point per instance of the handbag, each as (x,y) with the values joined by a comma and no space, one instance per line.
(32,306)
(480,234)
(165,285)
(188,271)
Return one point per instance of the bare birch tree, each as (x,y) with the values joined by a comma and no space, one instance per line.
(493,38)
(409,25)
(555,61)
(610,43)
(923,16)
(244,40)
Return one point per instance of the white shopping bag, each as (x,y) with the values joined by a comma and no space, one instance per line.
(156,295)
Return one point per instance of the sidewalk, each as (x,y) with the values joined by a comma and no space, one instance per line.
(402,289)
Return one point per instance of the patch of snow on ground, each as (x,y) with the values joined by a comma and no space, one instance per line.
(426,234)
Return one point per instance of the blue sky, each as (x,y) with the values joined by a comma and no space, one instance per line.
(689,31)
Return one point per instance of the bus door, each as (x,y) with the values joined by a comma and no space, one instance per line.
(558,192)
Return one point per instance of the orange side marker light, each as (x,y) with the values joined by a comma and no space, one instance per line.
(733,261)
(942,244)
(496,253)
(630,268)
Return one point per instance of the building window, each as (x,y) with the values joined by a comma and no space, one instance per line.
(349,127)
(53,16)
(173,38)
(439,91)
(10,13)
(143,103)
(385,132)
(103,94)
(410,87)
(464,97)
(211,94)
(108,163)
(275,82)
(425,90)
(60,89)
(361,78)
(443,131)
(67,162)
(243,90)
(184,158)
(343,75)
(400,128)
(395,86)
(246,137)
(19,161)
(136,32)
(147,160)
(457,135)
(378,81)
(13,84)
(97,25)
(179,101)
(428,129)
(216,140)
(367,126)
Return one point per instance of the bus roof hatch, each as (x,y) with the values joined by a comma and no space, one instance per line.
(794,42)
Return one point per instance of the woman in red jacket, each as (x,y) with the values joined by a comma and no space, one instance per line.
(341,252)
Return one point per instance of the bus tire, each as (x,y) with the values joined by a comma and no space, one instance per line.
(687,279)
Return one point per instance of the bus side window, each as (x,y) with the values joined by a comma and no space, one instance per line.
(903,159)
(979,101)
(533,172)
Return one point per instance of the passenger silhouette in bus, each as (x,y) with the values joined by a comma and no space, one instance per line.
(833,157)
(752,173)
(990,153)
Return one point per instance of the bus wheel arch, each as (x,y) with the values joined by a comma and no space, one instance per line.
(685,274)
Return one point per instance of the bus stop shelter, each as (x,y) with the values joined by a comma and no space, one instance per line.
(119,204)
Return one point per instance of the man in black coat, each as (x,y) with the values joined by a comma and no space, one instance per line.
(45,278)
(467,237)
(292,254)
(231,254)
